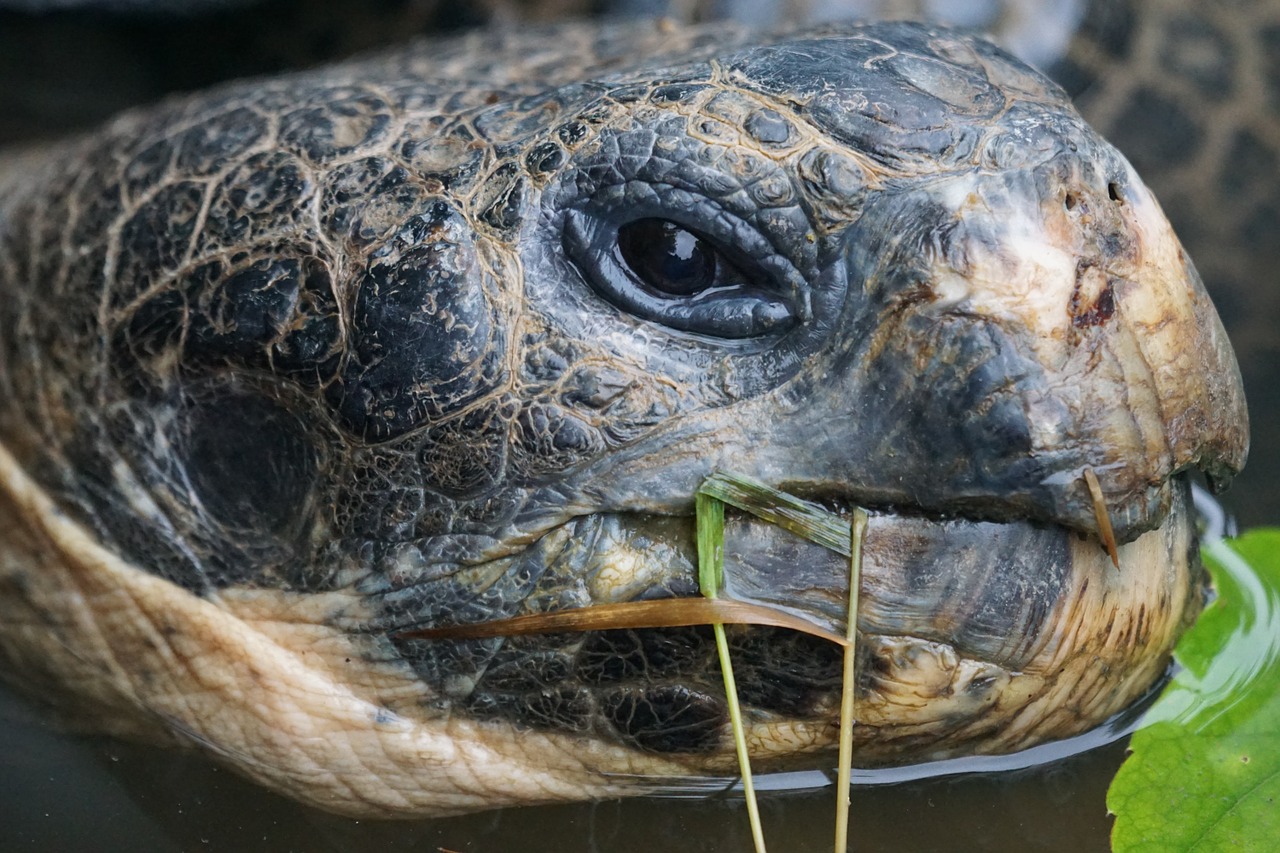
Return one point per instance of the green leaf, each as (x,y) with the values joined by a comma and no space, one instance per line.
(1205,770)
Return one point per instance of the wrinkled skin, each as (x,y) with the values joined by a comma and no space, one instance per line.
(300,365)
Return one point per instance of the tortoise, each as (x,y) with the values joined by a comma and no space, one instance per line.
(300,366)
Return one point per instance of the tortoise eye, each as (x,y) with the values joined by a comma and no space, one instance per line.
(661,271)
(670,259)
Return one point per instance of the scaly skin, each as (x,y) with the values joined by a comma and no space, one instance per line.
(297,365)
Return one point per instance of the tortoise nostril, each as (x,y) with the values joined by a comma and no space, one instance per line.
(1070,201)
(1113,192)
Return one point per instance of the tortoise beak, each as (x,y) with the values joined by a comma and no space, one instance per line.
(1062,321)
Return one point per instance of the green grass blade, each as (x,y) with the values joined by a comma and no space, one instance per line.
(817,525)
(800,517)
(709,516)
(710,531)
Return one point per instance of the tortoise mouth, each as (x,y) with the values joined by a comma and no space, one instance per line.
(991,590)
(973,636)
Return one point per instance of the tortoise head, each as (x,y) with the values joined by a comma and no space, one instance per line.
(351,353)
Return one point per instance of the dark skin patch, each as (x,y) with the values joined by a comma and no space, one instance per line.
(563,709)
(423,336)
(669,719)
(785,672)
(154,240)
(265,192)
(660,690)
(125,530)
(612,657)
(249,461)
(526,670)
(270,313)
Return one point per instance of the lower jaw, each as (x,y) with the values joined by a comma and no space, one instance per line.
(973,637)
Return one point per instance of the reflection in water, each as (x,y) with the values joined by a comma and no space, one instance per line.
(1249,655)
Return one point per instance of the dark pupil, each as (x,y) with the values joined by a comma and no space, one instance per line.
(666,257)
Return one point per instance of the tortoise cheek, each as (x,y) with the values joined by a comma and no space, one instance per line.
(249,461)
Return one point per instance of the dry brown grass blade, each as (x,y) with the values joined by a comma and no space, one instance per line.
(844,766)
(1100,513)
(662,613)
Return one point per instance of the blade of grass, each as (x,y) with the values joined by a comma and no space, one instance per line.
(658,613)
(857,531)
(1105,532)
(709,523)
(800,517)
(709,519)
(739,738)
